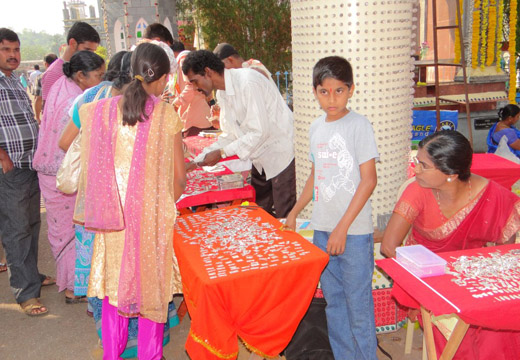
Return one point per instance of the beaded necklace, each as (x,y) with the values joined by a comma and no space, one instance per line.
(437,197)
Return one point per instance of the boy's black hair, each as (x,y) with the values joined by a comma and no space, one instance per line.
(160,31)
(335,67)
(9,35)
(198,61)
(177,46)
(83,32)
(36,67)
(50,58)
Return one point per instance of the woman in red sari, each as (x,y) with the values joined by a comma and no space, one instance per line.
(447,209)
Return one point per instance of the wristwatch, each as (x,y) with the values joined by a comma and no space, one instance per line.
(223,153)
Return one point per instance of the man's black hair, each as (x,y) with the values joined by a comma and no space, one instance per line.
(36,67)
(83,32)
(198,61)
(335,67)
(160,31)
(177,46)
(9,35)
(50,58)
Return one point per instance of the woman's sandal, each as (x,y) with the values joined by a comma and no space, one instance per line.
(3,267)
(33,307)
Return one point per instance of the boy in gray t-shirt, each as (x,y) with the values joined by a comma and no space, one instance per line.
(343,176)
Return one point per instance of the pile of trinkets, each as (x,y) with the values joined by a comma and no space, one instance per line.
(233,240)
(497,274)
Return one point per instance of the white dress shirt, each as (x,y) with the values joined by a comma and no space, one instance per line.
(256,122)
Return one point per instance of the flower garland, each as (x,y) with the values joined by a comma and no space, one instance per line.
(457,36)
(499,32)
(483,31)
(491,41)
(512,50)
(475,34)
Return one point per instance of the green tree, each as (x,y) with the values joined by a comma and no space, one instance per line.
(35,45)
(257,29)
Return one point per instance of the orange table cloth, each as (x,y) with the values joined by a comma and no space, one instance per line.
(242,276)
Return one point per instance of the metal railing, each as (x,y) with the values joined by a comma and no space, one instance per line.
(285,87)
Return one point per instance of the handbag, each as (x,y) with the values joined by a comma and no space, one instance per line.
(67,178)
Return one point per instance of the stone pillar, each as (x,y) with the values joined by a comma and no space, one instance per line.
(376,37)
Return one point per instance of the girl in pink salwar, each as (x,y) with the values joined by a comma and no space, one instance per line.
(84,70)
(132,173)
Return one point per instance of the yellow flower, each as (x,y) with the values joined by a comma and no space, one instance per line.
(475,37)
(499,32)
(457,37)
(483,31)
(491,38)
(512,47)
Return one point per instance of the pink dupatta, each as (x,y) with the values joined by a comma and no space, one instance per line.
(103,211)
(149,209)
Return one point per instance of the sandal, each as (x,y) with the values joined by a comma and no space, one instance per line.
(75,300)
(48,281)
(3,267)
(33,307)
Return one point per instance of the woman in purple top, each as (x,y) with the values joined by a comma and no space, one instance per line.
(508,116)
(84,70)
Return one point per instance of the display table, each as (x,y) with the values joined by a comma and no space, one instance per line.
(202,189)
(489,300)
(490,166)
(242,276)
(496,168)
(195,144)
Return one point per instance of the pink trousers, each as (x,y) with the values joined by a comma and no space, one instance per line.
(114,330)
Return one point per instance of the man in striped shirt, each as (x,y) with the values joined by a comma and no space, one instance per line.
(81,36)
(19,190)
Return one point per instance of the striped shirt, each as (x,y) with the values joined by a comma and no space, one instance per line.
(50,76)
(18,128)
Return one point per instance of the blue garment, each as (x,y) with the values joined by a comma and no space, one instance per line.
(85,239)
(131,345)
(492,143)
(84,249)
(347,287)
(89,96)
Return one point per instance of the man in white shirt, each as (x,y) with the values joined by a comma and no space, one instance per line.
(33,76)
(232,60)
(257,125)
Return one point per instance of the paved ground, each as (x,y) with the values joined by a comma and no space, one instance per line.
(67,332)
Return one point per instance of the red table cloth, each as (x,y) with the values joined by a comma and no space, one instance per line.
(490,302)
(243,276)
(195,145)
(496,168)
(490,166)
(202,189)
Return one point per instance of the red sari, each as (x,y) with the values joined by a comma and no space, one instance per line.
(492,216)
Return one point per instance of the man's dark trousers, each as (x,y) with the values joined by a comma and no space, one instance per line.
(20,229)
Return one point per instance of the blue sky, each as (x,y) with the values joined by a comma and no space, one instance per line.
(37,15)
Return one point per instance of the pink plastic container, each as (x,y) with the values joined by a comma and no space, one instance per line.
(420,261)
